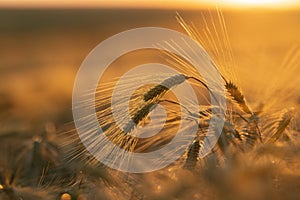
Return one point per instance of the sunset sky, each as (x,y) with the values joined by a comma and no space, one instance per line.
(149,4)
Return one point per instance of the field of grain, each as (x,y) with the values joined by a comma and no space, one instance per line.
(41,156)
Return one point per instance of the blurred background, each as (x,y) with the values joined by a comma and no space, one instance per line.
(42,44)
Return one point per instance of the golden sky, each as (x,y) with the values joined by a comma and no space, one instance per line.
(150,3)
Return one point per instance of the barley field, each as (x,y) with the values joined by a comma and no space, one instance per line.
(256,157)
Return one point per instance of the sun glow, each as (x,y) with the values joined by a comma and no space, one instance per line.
(168,4)
(256,2)
(269,3)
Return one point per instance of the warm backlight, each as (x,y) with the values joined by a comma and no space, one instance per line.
(255,2)
(167,4)
(259,3)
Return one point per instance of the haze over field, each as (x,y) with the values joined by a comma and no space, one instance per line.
(43,49)
(167,4)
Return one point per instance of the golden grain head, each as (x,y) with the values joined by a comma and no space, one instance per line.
(66,196)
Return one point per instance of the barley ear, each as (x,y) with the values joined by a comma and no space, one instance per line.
(237,96)
(282,125)
(167,84)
